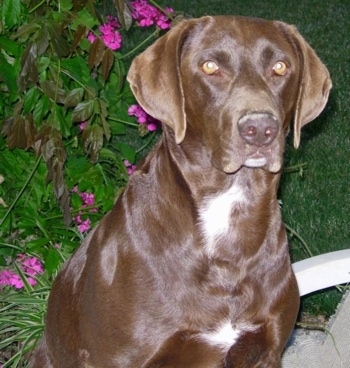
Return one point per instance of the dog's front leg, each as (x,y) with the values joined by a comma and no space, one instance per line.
(185,349)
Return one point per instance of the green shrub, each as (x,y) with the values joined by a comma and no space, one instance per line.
(67,140)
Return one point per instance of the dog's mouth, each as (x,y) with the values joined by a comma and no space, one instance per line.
(265,158)
(256,160)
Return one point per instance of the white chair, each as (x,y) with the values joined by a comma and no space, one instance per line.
(329,349)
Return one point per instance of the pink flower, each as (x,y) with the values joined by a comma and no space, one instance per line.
(82,125)
(147,15)
(84,226)
(142,117)
(113,21)
(106,28)
(91,37)
(30,265)
(112,40)
(130,168)
(6,277)
(109,34)
(138,112)
(163,22)
(16,281)
(88,198)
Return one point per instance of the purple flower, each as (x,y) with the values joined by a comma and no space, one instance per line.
(109,34)
(142,117)
(112,40)
(82,125)
(31,266)
(88,198)
(91,37)
(130,168)
(147,15)
(84,226)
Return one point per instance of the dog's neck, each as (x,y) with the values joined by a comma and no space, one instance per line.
(204,180)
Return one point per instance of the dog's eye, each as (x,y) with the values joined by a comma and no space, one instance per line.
(280,68)
(209,67)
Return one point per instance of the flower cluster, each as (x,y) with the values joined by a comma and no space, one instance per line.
(147,15)
(109,34)
(31,267)
(143,118)
(88,201)
(130,168)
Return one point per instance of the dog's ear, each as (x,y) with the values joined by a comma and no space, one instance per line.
(155,79)
(314,87)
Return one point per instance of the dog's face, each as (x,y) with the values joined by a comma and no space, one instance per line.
(232,84)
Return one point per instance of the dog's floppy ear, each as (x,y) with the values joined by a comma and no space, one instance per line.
(155,80)
(314,86)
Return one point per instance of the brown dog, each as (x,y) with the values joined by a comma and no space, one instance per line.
(191,267)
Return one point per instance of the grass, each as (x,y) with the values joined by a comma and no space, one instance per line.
(316,202)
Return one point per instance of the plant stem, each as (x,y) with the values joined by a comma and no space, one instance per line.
(152,35)
(123,121)
(302,241)
(37,6)
(19,195)
(147,143)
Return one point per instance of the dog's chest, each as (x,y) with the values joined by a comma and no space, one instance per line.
(218,216)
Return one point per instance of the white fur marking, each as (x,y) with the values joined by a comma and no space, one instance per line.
(216,213)
(224,337)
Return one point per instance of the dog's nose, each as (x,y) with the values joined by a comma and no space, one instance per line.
(258,129)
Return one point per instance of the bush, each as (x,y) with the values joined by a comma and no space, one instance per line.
(70,136)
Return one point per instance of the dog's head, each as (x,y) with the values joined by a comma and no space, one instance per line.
(232,84)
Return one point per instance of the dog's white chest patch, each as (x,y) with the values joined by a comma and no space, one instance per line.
(215,214)
(224,337)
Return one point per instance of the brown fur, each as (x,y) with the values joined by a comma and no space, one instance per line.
(149,282)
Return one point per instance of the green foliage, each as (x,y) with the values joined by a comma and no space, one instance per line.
(52,79)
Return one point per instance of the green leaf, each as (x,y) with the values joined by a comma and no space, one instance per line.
(107,154)
(25,31)
(66,5)
(83,111)
(42,39)
(11,47)
(93,141)
(30,99)
(84,18)
(9,75)
(106,128)
(124,13)
(59,121)
(59,43)
(17,136)
(41,109)
(77,69)
(36,244)
(52,91)
(107,63)
(96,53)
(74,97)
(29,73)
(117,128)
(52,261)
(78,36)
(11,12)
(127,151)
